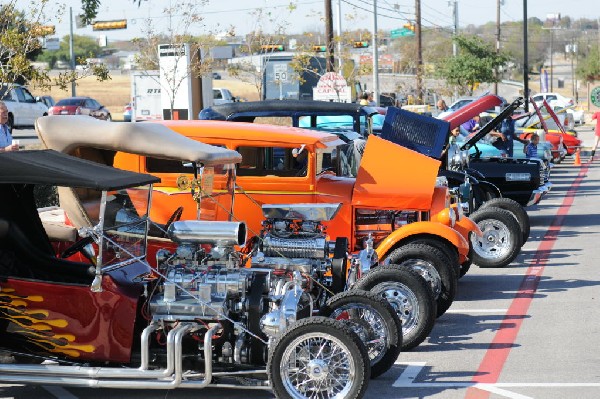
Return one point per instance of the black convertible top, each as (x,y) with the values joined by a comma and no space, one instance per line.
(53,168)
(282,108)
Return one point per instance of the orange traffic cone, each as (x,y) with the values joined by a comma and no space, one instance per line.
(577,161)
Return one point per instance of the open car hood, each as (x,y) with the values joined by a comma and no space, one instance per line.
(67,133)
(492,124)
(472,109)
(393,177)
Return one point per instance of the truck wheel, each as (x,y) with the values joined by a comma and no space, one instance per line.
(318,357)
(517,211)
(410,296)
(374,320)
(501,239)
(433,266)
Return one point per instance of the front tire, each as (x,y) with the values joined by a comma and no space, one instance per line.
(432,264)
(501,239)
(517,211)
(410,296)
(318,357)
(374,320)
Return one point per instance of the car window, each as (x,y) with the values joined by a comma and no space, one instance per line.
(20,94)
(95,104)
(88,104)
(276,161)
(217,94)
(550,97)
(6,95)
(27,96)
(69,101)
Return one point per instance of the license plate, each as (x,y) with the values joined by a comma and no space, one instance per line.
(64,112)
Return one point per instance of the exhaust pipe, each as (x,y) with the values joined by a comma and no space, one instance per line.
(98,377)
(204,232)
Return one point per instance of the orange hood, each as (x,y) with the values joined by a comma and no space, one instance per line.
(394,177)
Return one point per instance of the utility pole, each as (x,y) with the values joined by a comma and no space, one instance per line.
(71,50)
(551,59)
(329,36)
(339,33)
(375,56)
(525,61)
(419,51)
(455,32)
(496,72)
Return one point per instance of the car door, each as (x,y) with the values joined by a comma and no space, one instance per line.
(22,112)
(33,107)
(87,108)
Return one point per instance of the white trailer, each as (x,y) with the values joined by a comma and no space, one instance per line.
(145,96)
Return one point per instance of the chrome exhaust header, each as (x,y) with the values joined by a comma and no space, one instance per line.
(204,232)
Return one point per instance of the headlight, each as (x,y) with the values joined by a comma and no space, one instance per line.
(518,176)
(447,216)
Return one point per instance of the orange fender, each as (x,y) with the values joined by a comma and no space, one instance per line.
(465,225)
(424,228)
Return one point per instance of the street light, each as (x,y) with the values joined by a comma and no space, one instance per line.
(552,20)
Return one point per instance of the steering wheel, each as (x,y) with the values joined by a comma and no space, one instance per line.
(76,247)
(174,217)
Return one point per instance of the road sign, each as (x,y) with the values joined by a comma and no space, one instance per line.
(396,33)
(595,96)
(332,87)
(280,72)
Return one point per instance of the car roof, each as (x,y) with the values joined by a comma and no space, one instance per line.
(243,131)
(53,168)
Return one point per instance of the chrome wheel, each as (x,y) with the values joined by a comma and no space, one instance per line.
(428,272)
(368,324)
(404,302)
(317,365)
(495,242)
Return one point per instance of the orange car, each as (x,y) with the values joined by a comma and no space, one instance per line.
(395,206)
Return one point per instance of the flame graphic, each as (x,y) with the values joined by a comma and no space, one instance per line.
(36,325)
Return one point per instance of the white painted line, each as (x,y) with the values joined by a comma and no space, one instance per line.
(502,392)
(411,372)
(500,385)
(502,311)
(59,392)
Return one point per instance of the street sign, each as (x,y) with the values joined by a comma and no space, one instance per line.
(332,87)
(280,72)
(396,33)
(52,43)
(595,96)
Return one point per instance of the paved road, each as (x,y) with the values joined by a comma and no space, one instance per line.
(527,331)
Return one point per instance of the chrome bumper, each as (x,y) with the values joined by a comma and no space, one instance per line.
(539,193)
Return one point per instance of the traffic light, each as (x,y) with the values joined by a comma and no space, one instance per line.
(43,30)
(110,25)
(272,47)
(409,26)
(363,44)
(319,49)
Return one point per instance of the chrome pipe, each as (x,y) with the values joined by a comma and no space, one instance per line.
(145,345)
(205,232)
(100,372)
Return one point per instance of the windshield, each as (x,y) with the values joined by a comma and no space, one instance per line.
(124,224)
(534,122)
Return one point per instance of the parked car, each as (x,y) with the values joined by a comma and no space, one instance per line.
(558,102)
(48,100)
(404,221)
(23,109)
(222,96)
(80,106)
(127,111)
(216,76)
(461,102)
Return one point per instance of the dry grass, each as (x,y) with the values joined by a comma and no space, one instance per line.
(116,92)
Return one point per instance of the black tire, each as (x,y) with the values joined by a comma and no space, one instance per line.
(339,265)
(431,263)
(501,241)
(466,265)
(450,251)
(517,211)
(410,296)
(371,310)
(323,329)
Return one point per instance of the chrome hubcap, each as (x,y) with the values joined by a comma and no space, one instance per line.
(404,302)
(495,242)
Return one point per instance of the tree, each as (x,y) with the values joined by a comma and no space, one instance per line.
(20,34)
(474,64)
(175,73)
(588,68)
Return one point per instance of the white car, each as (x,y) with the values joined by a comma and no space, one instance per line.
(23,108)
(557,101)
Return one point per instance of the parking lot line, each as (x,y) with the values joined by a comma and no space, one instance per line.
(459,311)
(495,357)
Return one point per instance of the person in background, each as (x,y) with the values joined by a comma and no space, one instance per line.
(364,99)
(370,100)
(470,126)
(507,130)
(531,148)
(441,106)
(6,140)
(596,117)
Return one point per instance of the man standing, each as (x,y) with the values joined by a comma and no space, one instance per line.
(6,141)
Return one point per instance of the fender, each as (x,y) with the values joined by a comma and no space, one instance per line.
(425,228)
(491,187)
(465,225)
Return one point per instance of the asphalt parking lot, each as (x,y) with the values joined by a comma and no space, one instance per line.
(526,331)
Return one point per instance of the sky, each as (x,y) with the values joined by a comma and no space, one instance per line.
(221,16)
